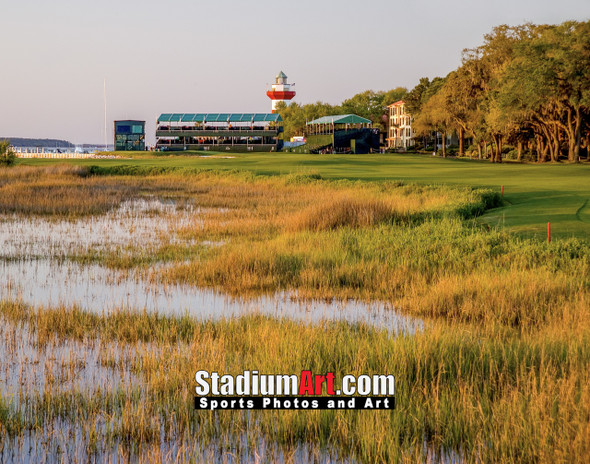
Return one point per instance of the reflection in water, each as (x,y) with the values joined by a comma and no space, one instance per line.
(68,368)
(70,443)
(30,272)
(134,223)
(98,289)
(60,365)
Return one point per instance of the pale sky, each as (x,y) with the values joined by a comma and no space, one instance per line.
(218,56)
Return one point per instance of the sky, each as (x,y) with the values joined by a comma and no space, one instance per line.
(219,56)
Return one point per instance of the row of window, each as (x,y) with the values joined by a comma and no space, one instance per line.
(407,132)
(402,121)
(396,111)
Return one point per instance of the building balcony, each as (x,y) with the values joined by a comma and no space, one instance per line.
(217,132)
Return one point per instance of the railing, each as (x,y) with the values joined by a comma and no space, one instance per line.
(240,148)
(57,155)
(219,129)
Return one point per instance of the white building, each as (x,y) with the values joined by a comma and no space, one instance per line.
(281,91)
(399,128)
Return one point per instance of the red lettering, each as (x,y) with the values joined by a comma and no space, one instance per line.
(306,383)
(319,379)
(330,383)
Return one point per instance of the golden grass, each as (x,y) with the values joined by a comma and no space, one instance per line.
(343,212)
(57,190)
(501,375)
(490,395)
(406,244)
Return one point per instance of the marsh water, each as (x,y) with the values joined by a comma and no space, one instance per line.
(35,269)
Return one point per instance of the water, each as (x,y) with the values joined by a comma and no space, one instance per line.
(43,282)
(34,269)
(68,443)
(142,223)
(60,365)
(32,367)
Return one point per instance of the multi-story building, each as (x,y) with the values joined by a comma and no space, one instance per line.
(219,131)
(399,127)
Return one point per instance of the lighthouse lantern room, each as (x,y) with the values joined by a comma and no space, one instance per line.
(281,91)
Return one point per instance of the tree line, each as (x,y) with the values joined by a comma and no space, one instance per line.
(527,86)
(32,142)
(369,104)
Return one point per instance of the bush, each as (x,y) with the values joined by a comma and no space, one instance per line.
(7,156)
(511,155)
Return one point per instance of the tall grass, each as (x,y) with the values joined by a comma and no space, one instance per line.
(417,247)
(57,190)
(500,374)
(343,212)
(488,395)
(440,268)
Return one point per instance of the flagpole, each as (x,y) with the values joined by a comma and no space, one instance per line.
(105,114)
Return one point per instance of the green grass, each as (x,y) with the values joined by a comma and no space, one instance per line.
(534,194)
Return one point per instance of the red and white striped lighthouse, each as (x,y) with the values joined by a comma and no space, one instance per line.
(281,91)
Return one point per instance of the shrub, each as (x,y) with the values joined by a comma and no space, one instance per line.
(7,156)
(511,155)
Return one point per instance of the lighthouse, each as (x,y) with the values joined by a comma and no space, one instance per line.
(281,91)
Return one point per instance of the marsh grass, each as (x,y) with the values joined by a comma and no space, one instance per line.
(57,191)
(500,374)
(73,191)
(344,212)
(491,395)
(441,267)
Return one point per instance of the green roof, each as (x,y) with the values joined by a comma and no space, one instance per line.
(220,117)
(341,119)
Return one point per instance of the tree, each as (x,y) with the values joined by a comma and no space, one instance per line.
(417,97)
(428,113)
(7,155)
(372,105)
(463,97)
(434,117)
(394,95)
(483,68)
(548,82)
(368,104)
(295,116)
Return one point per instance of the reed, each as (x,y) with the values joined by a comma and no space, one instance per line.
(493,395)
(500,372)
(57,191)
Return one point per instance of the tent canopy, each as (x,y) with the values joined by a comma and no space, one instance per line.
(340,119)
